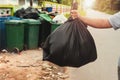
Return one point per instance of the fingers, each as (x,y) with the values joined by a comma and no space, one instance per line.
(74,14)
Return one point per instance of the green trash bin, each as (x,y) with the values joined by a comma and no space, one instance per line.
(45,28)
(31,33)
(14,34)
(45,17)
(54,26)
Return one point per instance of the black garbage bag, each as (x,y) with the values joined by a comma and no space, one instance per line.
(29,13)
(20,13)
(71,44)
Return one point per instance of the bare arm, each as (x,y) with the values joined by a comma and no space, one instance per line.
(93,22)
(96,22)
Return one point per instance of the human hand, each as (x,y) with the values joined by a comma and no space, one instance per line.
(74,14)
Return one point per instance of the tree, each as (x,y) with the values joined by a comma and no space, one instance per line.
(31,3)
(109,6)
(66,2)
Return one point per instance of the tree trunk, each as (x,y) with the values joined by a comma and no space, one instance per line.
(31,3)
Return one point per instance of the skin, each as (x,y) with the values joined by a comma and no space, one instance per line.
(93,22)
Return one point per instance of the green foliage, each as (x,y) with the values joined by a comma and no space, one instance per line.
(67,2)
(67,15)
(58,1)
(108,6)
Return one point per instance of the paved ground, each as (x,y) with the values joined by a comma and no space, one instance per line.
(108,50)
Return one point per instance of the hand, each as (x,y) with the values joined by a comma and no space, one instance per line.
(74,14)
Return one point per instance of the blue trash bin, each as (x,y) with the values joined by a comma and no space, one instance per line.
(2,33)
(13,18)
(49,9)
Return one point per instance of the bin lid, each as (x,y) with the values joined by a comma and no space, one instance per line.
(2,19)
(31,21)
(54,23)
(14,22)
(46,17)
(25,20)
(13,18)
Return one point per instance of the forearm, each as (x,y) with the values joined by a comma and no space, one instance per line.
(96,22)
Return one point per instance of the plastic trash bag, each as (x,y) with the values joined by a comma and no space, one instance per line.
(20,13)
(29,13)
(59,19)
(71,44)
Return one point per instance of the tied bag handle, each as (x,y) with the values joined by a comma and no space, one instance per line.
(74,5)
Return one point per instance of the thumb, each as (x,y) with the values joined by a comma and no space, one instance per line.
(74,14)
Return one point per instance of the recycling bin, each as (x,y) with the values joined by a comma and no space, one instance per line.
(13,18)
(3,30)
(2,33)
(31,33)
(14,34)
(54,26)
(49,9)
(45,28)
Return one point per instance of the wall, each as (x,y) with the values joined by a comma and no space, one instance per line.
(8,2)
